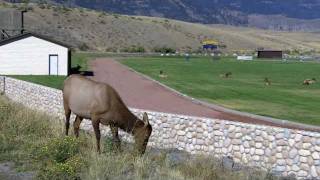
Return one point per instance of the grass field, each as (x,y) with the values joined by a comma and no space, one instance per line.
(246,91)
(50,81)
(35,142)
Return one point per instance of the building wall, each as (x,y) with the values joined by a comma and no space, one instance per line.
(280,150)
(30,56)
(270,54)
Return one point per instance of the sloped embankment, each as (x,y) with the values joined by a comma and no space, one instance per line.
(35,142)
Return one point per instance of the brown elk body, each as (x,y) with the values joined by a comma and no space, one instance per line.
(309,81)
(102,104)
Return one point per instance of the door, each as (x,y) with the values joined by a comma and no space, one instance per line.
(53,64)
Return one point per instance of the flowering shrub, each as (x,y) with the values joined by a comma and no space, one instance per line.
(61,159)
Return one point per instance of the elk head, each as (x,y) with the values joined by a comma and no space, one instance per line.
(141,133)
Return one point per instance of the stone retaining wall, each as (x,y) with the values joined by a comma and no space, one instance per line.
(283,151)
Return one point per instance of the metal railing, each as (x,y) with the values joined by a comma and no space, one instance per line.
(2,85)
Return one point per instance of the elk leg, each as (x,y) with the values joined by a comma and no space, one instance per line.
(95,124)
(116,139)
(67,112)
(76,125)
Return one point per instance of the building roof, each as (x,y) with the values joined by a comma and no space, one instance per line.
(270,50)
(26,35)
(210,42)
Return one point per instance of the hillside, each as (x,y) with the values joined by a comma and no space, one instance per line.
(304,14)
(282,23)
(112,32)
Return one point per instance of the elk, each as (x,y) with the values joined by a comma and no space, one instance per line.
(226,75)
(101,103)
(267,81)
(309,81)
(162,75)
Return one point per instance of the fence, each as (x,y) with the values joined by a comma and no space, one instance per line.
(2,85)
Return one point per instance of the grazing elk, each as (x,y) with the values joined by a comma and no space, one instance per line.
(102,104)
(162,75)
(226,75)
(309,81)
(267,81)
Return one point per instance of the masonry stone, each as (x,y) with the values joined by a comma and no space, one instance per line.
(315,156)
(303,152)
(313,172)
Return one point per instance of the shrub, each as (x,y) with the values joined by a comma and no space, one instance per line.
(66,171)
(134,49)
(83,47)
(59,150)
(41,6)
(65,9)
(102,22)
(102,14)
(164,49)
(60,159)
(49,6)
(108,145)
(111,49)
(116,16)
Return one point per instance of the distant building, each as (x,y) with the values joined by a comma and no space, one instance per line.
(31,54)
(210,45)
(270,54)
(245,58)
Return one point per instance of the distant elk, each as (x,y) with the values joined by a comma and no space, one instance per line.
(162,75)
(102,104)
(309,81)
(226,75)
(267,81)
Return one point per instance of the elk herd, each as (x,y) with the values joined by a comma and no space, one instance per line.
(267,81)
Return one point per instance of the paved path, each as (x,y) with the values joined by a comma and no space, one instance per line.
(142,93)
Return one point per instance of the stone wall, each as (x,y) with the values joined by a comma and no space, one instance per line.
(283,151)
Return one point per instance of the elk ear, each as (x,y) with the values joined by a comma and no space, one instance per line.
(145,119)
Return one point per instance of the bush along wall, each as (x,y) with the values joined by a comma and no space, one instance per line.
(280,150)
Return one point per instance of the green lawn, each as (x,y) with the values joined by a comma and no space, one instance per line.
(245,91)
(50,81)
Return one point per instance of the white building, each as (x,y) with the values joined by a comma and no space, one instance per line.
(31,54)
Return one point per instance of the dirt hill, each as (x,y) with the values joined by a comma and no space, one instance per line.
(303,14)
(112,32)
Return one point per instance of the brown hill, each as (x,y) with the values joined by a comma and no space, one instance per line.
(112,32)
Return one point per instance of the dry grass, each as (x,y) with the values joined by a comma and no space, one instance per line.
(35,142)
